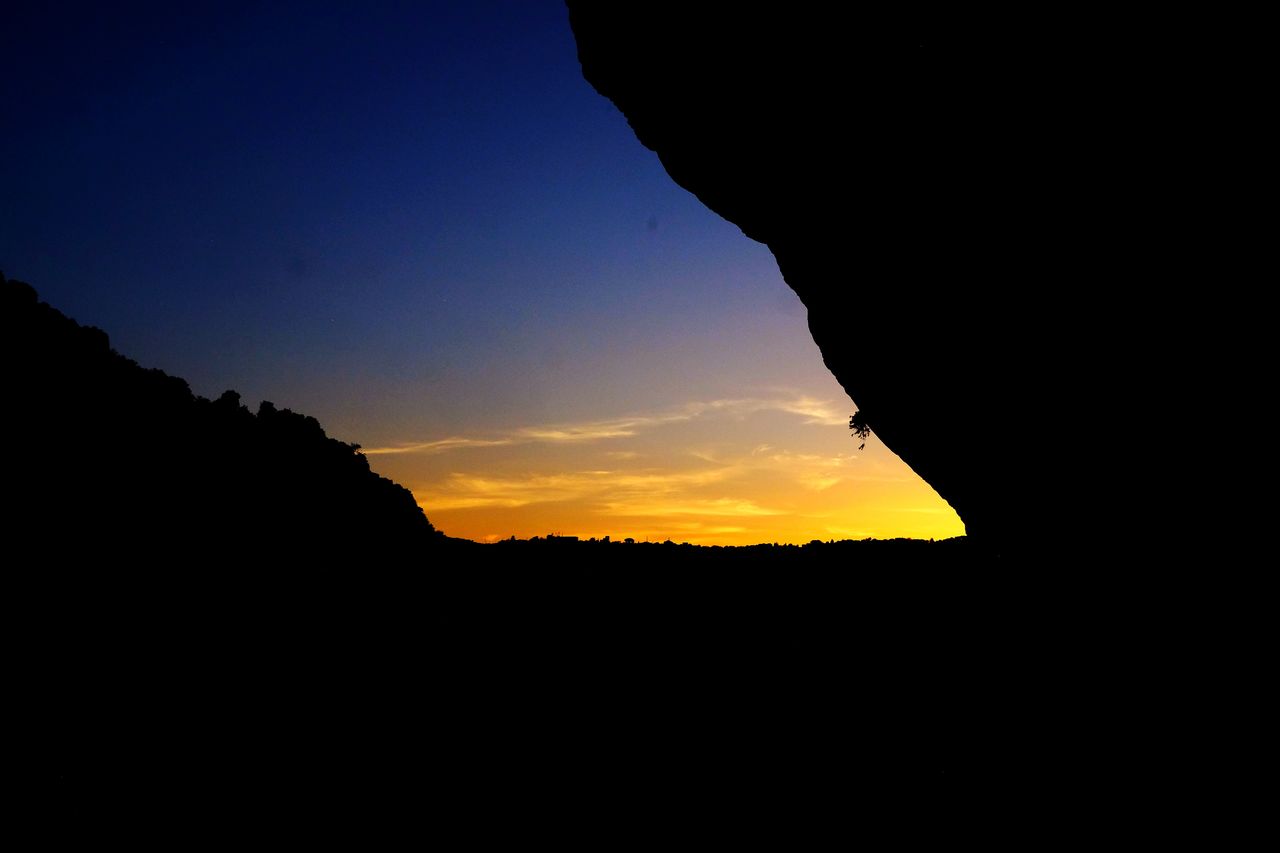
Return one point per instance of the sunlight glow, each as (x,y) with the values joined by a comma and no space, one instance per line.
(735,471)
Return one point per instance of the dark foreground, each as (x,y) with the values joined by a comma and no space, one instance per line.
(223,624)
(547,690)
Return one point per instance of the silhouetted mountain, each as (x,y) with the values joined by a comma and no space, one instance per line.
(114,462)
(960,200)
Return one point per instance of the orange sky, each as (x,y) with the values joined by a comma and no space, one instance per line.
(768,467)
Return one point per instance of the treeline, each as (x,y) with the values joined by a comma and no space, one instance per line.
(853,545)
(844,554)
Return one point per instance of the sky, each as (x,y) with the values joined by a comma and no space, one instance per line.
(418,223)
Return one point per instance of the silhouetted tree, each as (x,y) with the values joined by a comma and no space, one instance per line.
(861,430)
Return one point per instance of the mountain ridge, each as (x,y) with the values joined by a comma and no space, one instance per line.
(270,482)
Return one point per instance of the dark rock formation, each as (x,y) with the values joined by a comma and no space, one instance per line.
(961,209)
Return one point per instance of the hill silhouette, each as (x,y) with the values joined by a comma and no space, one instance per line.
(188,574)
(145,472)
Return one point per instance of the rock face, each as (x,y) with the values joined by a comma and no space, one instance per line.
(954,206)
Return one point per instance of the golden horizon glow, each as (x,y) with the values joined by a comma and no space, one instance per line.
(779,468)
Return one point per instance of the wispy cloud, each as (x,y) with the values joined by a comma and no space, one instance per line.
(592,430)
(438,446)
(821,484)
(720,507)
(817,411)
(746,469)
(814,411)
(468,491)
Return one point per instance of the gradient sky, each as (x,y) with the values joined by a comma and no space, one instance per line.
(418,223)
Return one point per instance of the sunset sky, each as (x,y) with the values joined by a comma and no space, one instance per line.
(418,223)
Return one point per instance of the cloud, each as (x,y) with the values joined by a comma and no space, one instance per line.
(470,491)
(821,484)
(708,489)
(591,431)
(638,476)
(814,411)
(438,446)
(813,460)
(817,411)
(641,494)
(701,529)
(724,507)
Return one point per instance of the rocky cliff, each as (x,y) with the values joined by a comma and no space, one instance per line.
(953,204)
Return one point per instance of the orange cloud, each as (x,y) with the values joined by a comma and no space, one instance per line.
(734,471)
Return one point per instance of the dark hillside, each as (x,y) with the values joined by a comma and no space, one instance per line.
(115,464)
